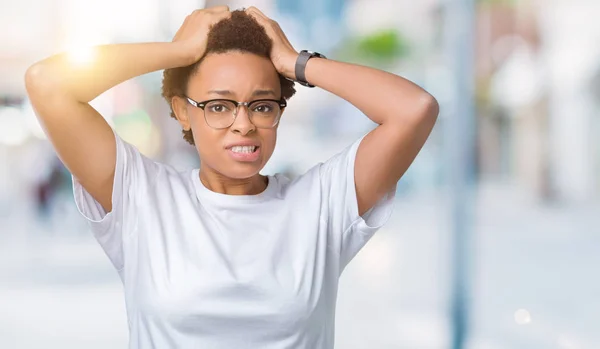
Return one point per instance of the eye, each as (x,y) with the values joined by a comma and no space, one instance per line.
(218,107)
(263,108)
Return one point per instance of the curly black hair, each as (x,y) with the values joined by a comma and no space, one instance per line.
(241,33)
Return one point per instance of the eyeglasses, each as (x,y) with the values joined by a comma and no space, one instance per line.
(221,113)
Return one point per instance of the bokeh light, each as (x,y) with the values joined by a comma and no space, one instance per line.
(522,317)
(82,55)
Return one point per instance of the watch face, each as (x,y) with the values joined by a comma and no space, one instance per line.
(314,54)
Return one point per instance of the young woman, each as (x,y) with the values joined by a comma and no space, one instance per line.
(222,256)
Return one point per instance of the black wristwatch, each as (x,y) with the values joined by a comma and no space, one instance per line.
(301,66)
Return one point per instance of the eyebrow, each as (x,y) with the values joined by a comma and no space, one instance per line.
(259,93)
(221,92)
(256,93)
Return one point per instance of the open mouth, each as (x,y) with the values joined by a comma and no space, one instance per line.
(244,149)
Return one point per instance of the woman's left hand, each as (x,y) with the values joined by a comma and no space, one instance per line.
(283,54)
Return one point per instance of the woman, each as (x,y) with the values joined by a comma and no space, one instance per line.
(222,256)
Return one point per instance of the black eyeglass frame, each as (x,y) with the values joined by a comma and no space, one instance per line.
(282,104)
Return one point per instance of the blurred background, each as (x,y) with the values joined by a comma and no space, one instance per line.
(494,242)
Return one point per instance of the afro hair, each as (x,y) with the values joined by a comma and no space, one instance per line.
(240,33)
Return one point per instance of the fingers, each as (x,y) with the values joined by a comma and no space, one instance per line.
(215,10)
(257,14)
(266,22)
(262,19)
(222,15)
(213,14)
(253,9)
(218,13)
(272,27)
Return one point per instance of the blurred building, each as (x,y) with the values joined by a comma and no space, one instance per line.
(536,62)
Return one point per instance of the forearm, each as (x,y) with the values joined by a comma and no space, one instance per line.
(110,65)
(382,96)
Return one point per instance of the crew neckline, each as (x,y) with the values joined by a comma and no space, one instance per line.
(203,193)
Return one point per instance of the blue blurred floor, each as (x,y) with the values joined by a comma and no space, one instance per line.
(58,289)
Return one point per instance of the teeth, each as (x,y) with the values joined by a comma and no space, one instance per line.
(244,149)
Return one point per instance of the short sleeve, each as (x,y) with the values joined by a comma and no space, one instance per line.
(131,170)
(349,231)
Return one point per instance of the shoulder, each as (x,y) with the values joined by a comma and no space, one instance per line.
(156,176)
(293,185)
(165,173)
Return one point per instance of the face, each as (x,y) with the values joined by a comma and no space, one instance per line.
(242,77)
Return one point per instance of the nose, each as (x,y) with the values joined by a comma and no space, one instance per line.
(242,124)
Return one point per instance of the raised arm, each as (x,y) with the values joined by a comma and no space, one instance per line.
(404,112)
(60,92)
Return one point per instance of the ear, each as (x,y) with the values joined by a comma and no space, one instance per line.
(179,106)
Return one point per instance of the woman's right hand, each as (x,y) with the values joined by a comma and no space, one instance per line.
(193,34)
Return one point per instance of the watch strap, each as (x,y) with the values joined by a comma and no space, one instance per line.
(300,68)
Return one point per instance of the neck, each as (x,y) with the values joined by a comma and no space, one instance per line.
(217,182)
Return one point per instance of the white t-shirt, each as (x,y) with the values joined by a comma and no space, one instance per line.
(207,270)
